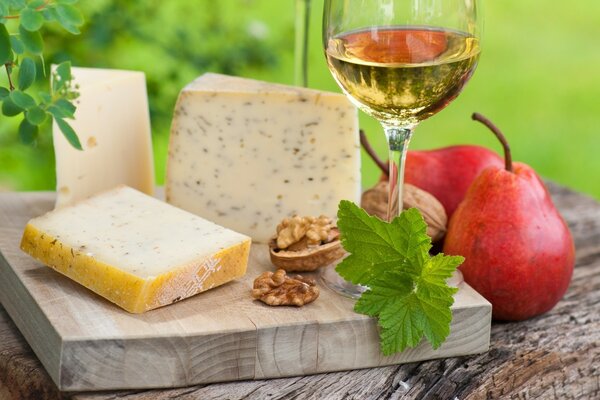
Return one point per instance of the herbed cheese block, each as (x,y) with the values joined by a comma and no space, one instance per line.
(135,250)
(246,153)
(113,124)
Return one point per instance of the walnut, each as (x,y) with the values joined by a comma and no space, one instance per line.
(278,289)
(313,231)
(375,200)
(305,243)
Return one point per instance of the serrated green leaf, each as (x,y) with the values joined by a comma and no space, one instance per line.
(36,115)
(31,19)
(26,73)
(69,133)
(32,40)
(5,46)
(22,99)
(27,132)
(4,92)
(69,17)
(17,45)
(401,325)
(376,246)
(409,296)
(9,108)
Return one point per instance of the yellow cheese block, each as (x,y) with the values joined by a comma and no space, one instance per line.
(136,251)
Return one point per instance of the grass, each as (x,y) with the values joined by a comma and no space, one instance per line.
(538,80)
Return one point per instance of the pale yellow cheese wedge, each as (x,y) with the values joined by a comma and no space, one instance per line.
(112,122)
(136,251)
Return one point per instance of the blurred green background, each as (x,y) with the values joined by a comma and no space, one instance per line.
(538,77)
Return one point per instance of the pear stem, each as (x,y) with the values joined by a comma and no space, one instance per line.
(507,156)
(383,166)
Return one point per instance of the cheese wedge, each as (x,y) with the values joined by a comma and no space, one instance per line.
(136,251)
(113,125)
(246,154)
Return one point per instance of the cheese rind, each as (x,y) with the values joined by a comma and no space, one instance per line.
(136,251)
(113,125)
(247,154)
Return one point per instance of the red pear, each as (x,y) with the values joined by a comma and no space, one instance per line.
(446,173)
(519,253)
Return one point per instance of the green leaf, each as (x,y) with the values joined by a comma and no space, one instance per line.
(407,289)
(27,132)
(45,96)
(49,14)
(31,19)
(36,3)
(69,133)
(36,115)
(62,108)
(9,108)
(26,73)
(3,9)
(4,92)
(376,246)
(66,107)
(5,47)
(17,44)
(18,4)
(22,99)
(64,71)
(32,40)
(69,17)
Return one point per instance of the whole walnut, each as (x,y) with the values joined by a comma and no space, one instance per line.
(375,202)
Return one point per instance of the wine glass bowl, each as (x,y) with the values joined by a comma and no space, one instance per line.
(404,73)
(400,61)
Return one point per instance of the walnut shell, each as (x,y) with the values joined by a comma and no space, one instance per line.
(375,200)
(309,258)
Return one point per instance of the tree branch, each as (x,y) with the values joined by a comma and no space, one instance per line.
(38,8)
(8,67)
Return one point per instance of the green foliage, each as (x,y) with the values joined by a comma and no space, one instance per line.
(407,288)
(539,89)
(17,52)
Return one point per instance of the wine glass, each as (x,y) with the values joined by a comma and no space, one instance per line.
(400,61)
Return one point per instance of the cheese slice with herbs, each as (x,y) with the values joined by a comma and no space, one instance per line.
(246,153)
(112,122)
(136,251)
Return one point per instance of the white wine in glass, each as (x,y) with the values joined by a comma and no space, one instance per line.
(399,61)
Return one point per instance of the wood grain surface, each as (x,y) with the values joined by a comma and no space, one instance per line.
(553,356)
(87,343)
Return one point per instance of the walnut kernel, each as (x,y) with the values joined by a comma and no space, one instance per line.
(294,230)
(278,289)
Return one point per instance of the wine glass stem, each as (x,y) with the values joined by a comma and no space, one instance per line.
(398,138)
(301,43)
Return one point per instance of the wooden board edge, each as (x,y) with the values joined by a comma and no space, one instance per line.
(160,362)
(11,288)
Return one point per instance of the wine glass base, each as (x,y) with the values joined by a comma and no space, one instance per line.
(335,282)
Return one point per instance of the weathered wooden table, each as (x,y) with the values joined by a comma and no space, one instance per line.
(555,356)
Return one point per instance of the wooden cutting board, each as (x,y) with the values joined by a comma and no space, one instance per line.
(87,343)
